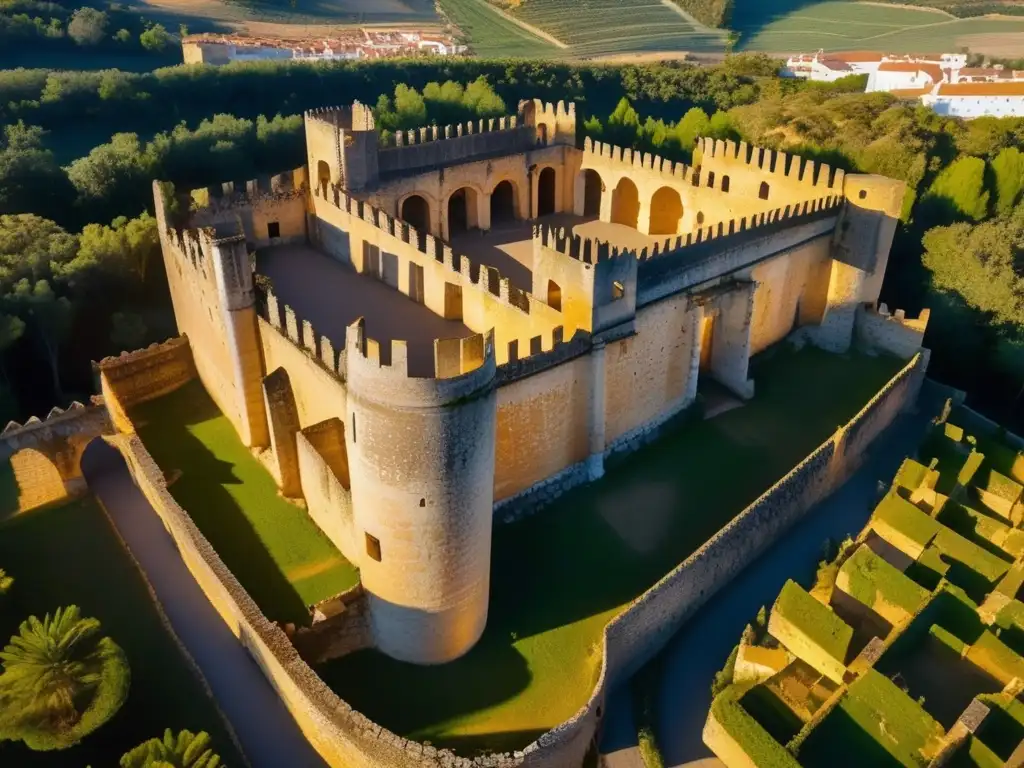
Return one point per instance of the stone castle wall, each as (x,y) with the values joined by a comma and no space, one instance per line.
(894,333)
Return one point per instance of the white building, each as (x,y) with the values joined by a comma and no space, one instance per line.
(977,99)
(943,82)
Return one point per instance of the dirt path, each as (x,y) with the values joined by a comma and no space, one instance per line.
(909,7)
(528,27)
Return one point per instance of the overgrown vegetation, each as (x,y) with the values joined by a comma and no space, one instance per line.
(175,750)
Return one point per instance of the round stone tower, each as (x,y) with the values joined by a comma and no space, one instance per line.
(421,461)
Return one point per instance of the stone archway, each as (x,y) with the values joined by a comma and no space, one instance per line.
(503,203)
(462,214)
(666,212)
(593,190)
(626,203)
(416,213)
(546,192)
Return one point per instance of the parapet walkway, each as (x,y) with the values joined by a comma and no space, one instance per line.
(269,736)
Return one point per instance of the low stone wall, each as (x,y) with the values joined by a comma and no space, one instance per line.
(145,374)
(345,632)
(891,332)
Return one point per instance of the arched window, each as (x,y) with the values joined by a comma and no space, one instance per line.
(725,183)
(700,218)
(763,192)
(711,179)
(554,295)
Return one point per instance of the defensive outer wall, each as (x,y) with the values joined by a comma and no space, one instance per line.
(346,738)
(405,455)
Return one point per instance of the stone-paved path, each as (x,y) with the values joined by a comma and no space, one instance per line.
(700,648)
(267,732)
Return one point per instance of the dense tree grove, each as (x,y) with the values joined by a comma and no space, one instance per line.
(713,13)
(79,152)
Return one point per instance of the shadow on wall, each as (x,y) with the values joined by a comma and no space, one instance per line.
(218,515)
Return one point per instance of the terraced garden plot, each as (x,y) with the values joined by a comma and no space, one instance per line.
(785,27)
(492,35)
(607,27)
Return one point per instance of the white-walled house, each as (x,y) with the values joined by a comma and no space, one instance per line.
(977,99)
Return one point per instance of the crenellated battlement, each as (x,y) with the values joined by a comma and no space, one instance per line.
(57,418)
(542,351)
(679,172)
(432,133)
(468,272)
(586,249)
(303,335)
(280,187)
(736,227)
(355,116)
(772,163)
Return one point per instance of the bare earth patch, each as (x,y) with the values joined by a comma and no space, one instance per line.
(1008,44)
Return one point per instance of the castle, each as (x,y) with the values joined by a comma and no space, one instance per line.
(412,394)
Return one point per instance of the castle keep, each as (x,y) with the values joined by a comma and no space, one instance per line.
(426,332)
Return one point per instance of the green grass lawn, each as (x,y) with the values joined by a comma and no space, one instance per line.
(272,546)
(789,26)
(559,576)
(70,554)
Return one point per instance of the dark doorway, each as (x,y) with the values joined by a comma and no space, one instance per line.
(461,211)
(503,203)
(273,230)
(546,192)
(593,188)
(416,213)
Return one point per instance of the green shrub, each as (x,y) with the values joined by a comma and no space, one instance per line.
(723,678)
(61,681)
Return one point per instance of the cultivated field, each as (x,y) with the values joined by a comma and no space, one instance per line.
(594,28)
(492,33)
(279,17)
(788,26)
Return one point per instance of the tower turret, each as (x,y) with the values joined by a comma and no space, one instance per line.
(421,463)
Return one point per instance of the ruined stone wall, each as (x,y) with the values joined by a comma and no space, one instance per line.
(253,206)
(323,469)
(894,333)
(791,291)
(319,392)
(647,375)
(45,454)
(147,373)
(543,426)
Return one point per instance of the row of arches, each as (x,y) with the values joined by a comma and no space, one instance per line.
(463,206)
(666,205)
